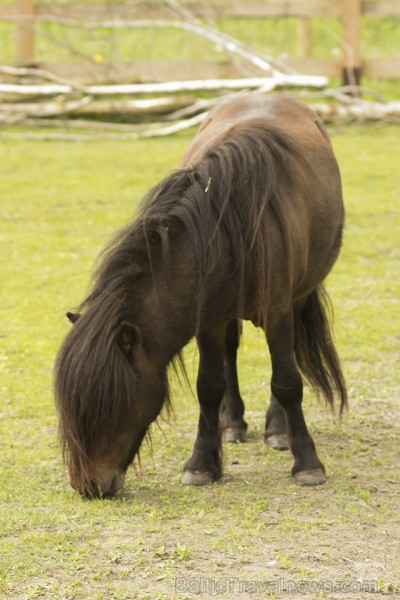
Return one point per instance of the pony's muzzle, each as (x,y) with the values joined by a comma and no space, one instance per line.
(100,488)
(108,488)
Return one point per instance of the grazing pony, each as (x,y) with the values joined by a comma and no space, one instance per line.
(248,228)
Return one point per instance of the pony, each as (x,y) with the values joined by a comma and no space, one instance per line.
(247,229)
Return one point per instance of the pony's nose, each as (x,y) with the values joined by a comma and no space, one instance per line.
(108,487)
(105,488)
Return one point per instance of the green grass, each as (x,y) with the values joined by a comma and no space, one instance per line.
(59,204)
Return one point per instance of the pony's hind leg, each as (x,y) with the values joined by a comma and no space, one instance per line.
(287,388)
(275,434)
(205,464)
(232,423)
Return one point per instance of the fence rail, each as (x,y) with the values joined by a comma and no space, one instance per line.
(25,13)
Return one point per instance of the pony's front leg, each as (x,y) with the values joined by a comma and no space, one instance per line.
(287,388)
(231,419)
(205,464)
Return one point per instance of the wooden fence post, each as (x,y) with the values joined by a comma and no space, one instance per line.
(305,37)
(351,23)
(25,43)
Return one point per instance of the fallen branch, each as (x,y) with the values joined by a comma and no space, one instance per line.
(362,112)
(58,106)
(224,42)
(40,74)
(83,124)
(87,105)
(190,24)
(265,83)
(331,113)
(60,98)
(163,130)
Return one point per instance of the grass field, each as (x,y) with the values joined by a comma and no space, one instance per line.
(256,532)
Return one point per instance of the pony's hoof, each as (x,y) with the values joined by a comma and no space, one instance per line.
(277,441)
(310,478)
(197,478)
(233,435)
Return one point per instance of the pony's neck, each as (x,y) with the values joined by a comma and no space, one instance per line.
(166,311)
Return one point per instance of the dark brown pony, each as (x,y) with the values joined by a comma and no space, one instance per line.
(247,229)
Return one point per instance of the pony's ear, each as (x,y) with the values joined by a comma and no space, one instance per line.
(73,317)
(129,338)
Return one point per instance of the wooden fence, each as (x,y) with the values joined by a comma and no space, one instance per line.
(25,13)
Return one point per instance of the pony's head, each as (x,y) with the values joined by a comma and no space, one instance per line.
(108,391)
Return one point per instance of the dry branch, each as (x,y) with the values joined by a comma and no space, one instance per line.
(191,25)
(224,42)
(107,131)
(160,131)
(58,106)
(363,112)
(279,80)
(88,106)
(36,73)
(42,94)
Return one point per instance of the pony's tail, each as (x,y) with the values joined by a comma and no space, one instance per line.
(315,351)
